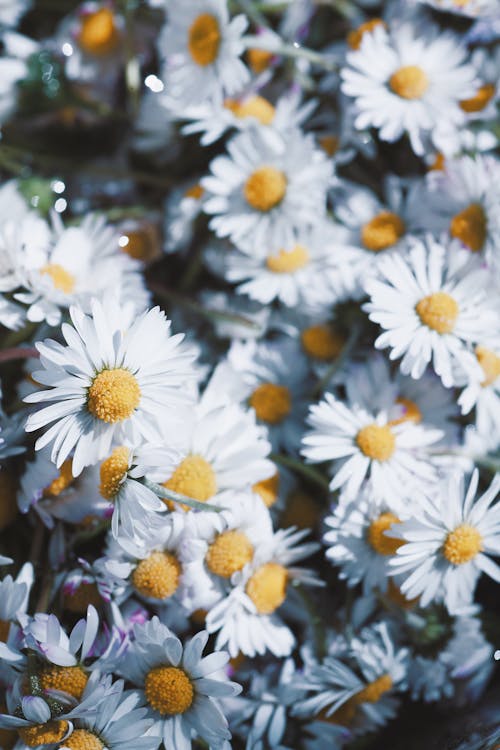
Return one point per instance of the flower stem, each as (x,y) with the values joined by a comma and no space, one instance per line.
(295,51)
(18,352)
(299,467)
(176,497)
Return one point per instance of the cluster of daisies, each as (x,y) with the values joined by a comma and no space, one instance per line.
(250,372)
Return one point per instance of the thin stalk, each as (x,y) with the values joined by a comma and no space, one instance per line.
(176,497)
(18,352)
(339,362)
(294,51)
(317,624)
(299,467)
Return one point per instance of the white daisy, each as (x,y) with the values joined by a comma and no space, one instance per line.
(118,721)
(369,443)
(463,199)
(179,685)
(12,10)
(182,208)
(447,543)
(356,541)
(201,47)
(246,619)
(13,69)
(115,378)
(406,81)
(277,393)
(356,689)
(77,264)
(263,192)
(484,394)
(434,303)
(471,8)
(316,272)
(14,596)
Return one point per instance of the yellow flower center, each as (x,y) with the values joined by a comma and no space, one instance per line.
(81,739)
(157,577)
(78,600)
(470,226)
(113,471)
(383,231)
(438,311)
(254,106)
(72,680)
(267,587)
(98,33)
(8,498)
(4,630)
(265,188)
(272,403)
(61,278)
(204,39)
(462,544)
(288,261)
(438,163)
(141,244)
(372,693)
(329,144)
(409,82)
(169,690)
(230,552)
(490,362)
(322,342)
(376,442)
(381,543)
(268,489)
(195,192)
(44,734)
(60,483)
(480,100)
(259,59)
(114,395)
(411,412)
(355,37)
(195,478)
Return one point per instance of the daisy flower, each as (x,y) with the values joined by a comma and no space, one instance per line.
(316,272)
(468,8)
(462,199)
(12,10)
(404,81)
(356,541)
(447,543)
(356,689)
(182,208)
(115,378)
(277,393)
(201,47)
(246,619)
(14,596)
(180,686)
(434,303)
(264,191)
(218,545)
(77,264)
(119,721)
(16,49)
(484,394)
(369,443)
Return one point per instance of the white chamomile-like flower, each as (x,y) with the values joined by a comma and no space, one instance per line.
(356,689)
(484,394)
(14,596)
(182,208)
(118,721)
(16,50)
(392,452)
(245,112)
(356,541)
(77,264)
(434,304)
(201,47)
(246,619)
(12,10)
(448,542)
(470,8)
(264,190)
(463,199)
(408,82)
(316,272)
(218,545)
(264,379)
(116,378)
(54,492)
(180,686)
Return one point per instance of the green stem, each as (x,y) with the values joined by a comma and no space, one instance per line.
(176,497)
(339,362)
(253,12)
(295,51)
(317,623)
(299,467)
